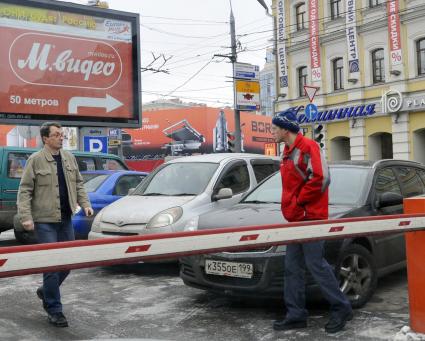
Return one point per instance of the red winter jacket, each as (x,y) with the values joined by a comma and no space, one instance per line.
(305,181)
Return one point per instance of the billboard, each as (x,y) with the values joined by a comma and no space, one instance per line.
(195,130)
(75,64)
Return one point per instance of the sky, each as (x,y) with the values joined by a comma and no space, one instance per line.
(188,33)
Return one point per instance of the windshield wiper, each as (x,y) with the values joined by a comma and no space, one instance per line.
(183,194)
(260,202)
(153,194)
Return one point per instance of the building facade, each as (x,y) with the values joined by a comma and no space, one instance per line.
(268,84)
(367,59)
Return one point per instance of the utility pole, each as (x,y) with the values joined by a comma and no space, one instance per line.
(234,58)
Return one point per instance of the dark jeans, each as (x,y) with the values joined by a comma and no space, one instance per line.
(310,255)
(51,233)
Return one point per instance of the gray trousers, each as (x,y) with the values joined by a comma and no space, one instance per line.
(310,255)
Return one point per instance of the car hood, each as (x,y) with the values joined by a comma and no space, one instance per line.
(136,209)
(242,215)
(254,215)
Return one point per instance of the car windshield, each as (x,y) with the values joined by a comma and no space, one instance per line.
(269,191)
(174,179)
(347,185)
(341,191)
(93,181)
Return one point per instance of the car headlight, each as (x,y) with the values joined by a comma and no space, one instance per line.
(192,224)
(97,219)
(165,218)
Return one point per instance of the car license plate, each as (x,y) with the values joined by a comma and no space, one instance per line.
(231,269)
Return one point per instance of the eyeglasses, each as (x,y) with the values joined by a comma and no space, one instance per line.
(56,135)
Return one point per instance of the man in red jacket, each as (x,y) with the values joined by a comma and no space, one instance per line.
(305,181)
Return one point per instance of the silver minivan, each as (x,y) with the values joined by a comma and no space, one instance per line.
(172,197)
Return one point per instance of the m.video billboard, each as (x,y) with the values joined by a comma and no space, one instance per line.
(76,64)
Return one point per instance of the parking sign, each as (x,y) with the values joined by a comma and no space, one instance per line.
(96,144)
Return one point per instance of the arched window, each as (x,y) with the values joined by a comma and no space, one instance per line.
(302,80)
(338,73)
(420,52)
(378,66)
(300,16)
(335,9)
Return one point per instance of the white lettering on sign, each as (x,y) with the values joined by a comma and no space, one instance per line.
(95,145)
(64,62)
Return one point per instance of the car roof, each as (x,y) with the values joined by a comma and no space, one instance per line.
(78,152)
(220,157)
(375,164)
(114,172)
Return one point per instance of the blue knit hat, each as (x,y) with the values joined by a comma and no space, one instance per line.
(286,120)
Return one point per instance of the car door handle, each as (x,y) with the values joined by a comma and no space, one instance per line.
(10,191)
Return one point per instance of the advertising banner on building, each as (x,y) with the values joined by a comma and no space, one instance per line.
(247,95)
(351,33)
(393,8)
(72,63)
(313,10)
(195,130)
(281,48)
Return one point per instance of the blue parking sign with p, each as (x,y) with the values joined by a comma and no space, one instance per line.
(311,111)
(96,144)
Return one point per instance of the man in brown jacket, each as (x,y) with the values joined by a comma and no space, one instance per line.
(50,191)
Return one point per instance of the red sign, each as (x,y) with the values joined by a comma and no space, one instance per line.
(316,73)
(393,9)
(59,64)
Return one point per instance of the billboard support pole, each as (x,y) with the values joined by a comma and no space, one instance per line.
(234,59)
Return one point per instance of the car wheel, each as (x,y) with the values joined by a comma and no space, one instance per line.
(357,274)
(25,237)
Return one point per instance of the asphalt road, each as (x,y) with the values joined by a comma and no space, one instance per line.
(149,301)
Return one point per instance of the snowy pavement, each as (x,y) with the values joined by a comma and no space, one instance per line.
(149,301)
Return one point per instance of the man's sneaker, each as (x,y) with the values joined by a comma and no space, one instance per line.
(57,319)
(289,324)
(337,322)
(40,295)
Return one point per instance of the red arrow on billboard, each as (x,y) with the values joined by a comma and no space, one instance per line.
(310,91)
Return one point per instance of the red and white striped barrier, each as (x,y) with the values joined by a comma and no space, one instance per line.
(30,259)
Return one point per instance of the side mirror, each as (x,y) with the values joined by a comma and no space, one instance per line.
(224,193)
(389,199)
(131,190)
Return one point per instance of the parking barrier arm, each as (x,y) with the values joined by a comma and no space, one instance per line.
(31,259)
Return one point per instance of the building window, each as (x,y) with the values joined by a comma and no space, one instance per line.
(374,3)
(302,80)
(420,50)
(301,15)
(378,67)
(335,9)
(338,73)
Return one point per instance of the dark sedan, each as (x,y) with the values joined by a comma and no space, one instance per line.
(358,188)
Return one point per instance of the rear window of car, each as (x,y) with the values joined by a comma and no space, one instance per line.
(93,181)
(16,163)
(112,164)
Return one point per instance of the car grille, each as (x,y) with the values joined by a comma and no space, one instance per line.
(110,233)
(260,249)
(187,270)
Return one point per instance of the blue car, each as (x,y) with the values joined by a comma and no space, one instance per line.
(103,188)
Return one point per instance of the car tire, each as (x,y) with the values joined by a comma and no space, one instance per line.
(357,274)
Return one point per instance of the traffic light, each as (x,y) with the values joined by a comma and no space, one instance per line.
(231,142)
(318,135)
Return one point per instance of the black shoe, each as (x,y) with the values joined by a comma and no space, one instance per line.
(40,295)
(289,324)
(337,322)
(57,319)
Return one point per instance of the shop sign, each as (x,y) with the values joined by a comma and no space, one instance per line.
(339,113)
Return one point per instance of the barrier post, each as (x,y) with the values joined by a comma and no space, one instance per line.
(415,252)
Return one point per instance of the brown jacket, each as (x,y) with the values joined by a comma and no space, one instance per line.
(38,195)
